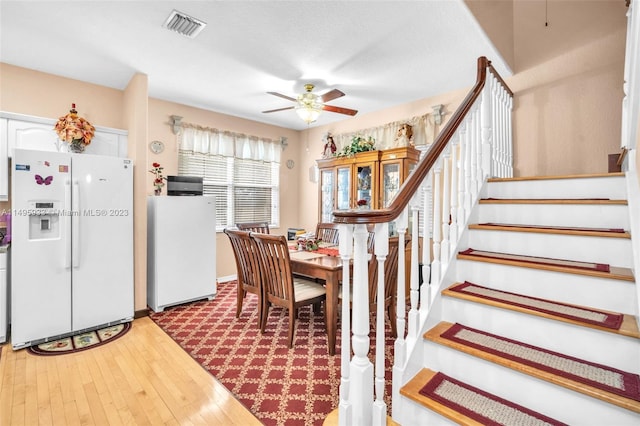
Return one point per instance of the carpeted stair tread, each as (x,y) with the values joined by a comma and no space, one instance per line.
(613,322)
(601,201)
(465,404)
(562,230)
(595,380)
(549,264)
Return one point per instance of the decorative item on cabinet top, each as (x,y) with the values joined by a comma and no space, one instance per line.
(74,130)
(31,132)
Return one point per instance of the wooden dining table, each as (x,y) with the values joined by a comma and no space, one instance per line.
(329,269)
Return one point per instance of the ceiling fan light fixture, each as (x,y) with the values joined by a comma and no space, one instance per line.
(309,105)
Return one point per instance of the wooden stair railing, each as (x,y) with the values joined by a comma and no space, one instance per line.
(474,144)
(411,185)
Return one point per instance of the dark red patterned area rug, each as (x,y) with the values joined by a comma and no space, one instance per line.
(281,386)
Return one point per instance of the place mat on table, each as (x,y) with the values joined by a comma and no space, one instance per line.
(305,255)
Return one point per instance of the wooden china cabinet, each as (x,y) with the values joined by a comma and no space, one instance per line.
(371,177)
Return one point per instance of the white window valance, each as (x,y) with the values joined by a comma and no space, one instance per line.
(207,140)
(385,135)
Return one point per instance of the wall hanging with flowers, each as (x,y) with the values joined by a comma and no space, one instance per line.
(158,180)
(74,130)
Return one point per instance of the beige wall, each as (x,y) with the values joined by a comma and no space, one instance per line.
(135,107)
(159,114)
(568,85)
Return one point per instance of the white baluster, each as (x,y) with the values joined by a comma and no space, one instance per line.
(501,130)
(453,212)
(400,345)
(345,250)
(478,137)
(446,208)
(361,368)
(467,166)
(462,215)
(425,296)
(402,221)
(486,122)
(436,266)
(381,251)
(509,138)
(413,324)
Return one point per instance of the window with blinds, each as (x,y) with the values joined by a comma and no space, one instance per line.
(245,190)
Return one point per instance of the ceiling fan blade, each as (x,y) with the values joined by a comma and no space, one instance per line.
(331,95)
(340,110)
(279,109)
(283,96)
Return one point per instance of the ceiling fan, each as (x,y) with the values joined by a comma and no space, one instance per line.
(309,105)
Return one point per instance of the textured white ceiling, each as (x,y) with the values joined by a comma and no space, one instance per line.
(379,53)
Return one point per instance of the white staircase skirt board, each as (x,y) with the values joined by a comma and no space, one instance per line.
(577,215)
(552,400)
(579,341)
(613,187)
(611,251)
(600,293)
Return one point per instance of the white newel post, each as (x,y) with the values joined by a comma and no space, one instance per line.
(361,368)
(345,250)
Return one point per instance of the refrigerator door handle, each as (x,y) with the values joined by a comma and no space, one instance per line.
(67,223)
(75,230)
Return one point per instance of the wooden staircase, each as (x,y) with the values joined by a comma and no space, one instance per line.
(569,218)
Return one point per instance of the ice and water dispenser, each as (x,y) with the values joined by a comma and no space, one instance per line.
(44,220)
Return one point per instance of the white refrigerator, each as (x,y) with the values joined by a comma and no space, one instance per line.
(181,250)
(72,244)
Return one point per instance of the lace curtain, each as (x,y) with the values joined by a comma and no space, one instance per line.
(206,140)
(385,135)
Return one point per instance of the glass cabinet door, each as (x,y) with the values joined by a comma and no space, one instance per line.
(390,182)
(327,196)
(363,186)
(343,186)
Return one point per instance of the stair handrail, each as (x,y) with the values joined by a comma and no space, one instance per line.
(413,182)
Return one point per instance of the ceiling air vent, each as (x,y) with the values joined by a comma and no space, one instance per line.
(184,24)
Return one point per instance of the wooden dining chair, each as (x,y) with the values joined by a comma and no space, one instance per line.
(262,227)
(249,280)
(328,233)
(280,286)
(390,282)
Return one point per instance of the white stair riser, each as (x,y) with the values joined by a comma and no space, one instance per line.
(613,188)
(576,215)
(601,293)
(611,251)
(414,414)
(546,398)
(579,341)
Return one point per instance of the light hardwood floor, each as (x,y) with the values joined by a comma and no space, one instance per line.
(142,378)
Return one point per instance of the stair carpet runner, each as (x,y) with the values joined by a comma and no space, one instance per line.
(465,403)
